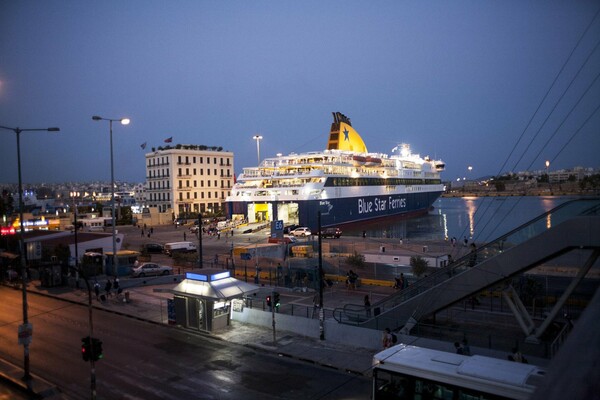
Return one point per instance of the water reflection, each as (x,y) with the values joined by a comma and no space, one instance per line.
(481,219)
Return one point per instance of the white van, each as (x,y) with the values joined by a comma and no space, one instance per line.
(182,247)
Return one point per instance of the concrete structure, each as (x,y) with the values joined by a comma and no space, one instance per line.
(188,179)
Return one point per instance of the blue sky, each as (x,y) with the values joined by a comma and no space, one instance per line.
(458,80)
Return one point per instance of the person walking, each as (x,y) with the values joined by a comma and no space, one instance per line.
(97,290)
(386,339)
(473,256)
(459,348)
(367,306)
(108,288)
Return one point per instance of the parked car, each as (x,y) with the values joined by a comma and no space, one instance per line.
(153,248)
(302,231)
(287,239)
(149,269)
(331,233)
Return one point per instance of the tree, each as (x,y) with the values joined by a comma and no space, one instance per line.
(418,265)
(356,260)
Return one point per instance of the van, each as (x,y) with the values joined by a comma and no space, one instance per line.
(181,247)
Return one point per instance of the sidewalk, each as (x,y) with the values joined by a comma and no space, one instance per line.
(149,305)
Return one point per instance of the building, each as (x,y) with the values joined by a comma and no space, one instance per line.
(188,179)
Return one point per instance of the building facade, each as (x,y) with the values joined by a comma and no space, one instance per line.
(188,179)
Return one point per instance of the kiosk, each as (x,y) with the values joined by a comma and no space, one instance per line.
(203,299)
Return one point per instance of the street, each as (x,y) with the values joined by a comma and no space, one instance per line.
(149,361)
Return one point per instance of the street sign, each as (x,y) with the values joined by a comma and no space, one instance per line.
(246,256)
(25,333)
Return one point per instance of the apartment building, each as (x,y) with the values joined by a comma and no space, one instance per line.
(188,179)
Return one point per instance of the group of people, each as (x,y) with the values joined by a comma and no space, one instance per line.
(351,278)
(108,288)
(400,282)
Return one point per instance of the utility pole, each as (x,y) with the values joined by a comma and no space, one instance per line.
(200,240)
(320,280)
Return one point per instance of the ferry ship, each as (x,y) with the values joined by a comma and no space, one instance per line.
(345,183)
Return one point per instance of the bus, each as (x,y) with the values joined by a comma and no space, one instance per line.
(410,372)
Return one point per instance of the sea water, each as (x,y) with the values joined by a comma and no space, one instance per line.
(476,218)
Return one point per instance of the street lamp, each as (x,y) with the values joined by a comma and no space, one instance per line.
(25,330)
(547,165)
(123,121)
(258,138)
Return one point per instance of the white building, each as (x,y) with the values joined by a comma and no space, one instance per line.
(188,178)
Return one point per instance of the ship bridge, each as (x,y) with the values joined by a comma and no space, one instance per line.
(575,225)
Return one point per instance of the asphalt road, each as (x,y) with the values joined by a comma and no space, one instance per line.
(148,361)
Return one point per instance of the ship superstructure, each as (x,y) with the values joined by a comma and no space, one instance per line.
(345,182)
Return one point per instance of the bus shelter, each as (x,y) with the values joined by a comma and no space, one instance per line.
(203,299)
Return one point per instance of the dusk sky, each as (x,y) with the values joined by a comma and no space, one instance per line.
(457,80)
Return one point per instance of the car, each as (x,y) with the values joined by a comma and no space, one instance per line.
(302,231)
(331,233)
(289,228)
(194,229)
(153,248)
(149,269)
(287,239)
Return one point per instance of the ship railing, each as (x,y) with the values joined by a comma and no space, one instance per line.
(357,314)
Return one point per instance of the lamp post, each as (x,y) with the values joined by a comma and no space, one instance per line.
(123,121)
(73,195)
(258,138)
(25,330)
(547,166)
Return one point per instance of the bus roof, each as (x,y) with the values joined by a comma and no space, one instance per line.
(459,369)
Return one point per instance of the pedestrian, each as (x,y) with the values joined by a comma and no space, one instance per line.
(152,230)
(97,290)
(184,236)
(368,305)
(142,232)
(218,234)
(116,284)
(453,241)
(402,281)
(386,339)
(108,288)
(459,348)
(351,278)
(473,256)
(364,234)
(315,304)
(465,242)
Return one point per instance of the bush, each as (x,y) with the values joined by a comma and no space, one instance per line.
(419,265)
(356,260)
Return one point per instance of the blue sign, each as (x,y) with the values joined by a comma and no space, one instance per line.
(246,256)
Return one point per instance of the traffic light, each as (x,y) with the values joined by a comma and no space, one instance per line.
(86,350)
(97,349)
(91,349)
(276,299)
(269,301)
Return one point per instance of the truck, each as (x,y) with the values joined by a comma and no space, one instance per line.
(179,247)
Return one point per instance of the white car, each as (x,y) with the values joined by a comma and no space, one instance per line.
(302,231)
(149,269)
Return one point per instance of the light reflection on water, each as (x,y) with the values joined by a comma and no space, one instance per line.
(478,218)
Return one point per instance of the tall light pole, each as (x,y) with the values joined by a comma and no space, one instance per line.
(26,329)
(123,121)
(258,138)
(547,166)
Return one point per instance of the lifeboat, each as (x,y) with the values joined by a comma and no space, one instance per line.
(359,160)
(372,161)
